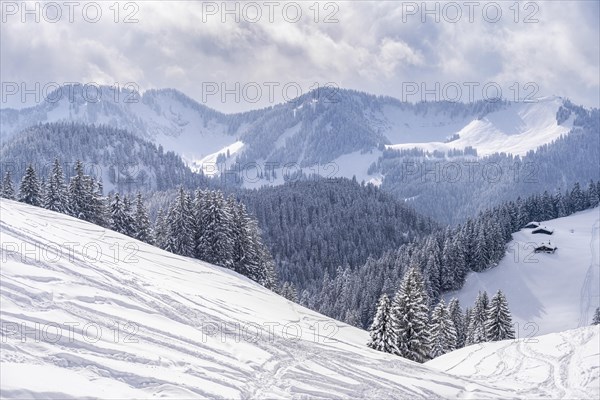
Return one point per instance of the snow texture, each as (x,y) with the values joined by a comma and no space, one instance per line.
(117,318)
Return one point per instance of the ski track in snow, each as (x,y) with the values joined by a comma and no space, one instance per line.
(559,365)
(162,303)
(590,290)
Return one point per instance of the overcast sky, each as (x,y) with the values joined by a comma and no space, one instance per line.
(377,47)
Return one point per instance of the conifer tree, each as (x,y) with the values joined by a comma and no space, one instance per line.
(381,332)
(199,205)
(410,317)
(98,207)
(121,220)
(161,229)
(8,190)
(442,332)
(216,243)
(596,320)
(288,290)
(142,229)
(55,197)
(467,325)
(477,324)
(499,321)
(80,198)
(180,237)
(458,319)
(29,190)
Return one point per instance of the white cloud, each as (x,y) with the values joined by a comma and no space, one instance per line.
(372,48)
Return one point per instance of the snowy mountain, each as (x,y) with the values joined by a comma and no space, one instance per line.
(165,116)
(123,161)
(562,365)
(92,313)
(516,128)
(332,132)
(546,292)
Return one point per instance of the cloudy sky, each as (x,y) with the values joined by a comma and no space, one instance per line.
(274,50)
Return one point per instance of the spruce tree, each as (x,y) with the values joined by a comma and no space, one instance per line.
(199,205)
(121,220)
(381,332)
(468,327)
(55,197)
(161,229)
(142,229)
(216,243)
(288,290)
(180,236)
(458,319)
(80,197)
(29,190)
(8,190)
(596,320)
(410,317)
(499,321)
(442,332)
(477,324)
(98,208)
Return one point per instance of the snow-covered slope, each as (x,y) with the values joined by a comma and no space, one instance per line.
(547,292)
(319,132)
(517,129)
(560,365)
(87,312)
(166,117)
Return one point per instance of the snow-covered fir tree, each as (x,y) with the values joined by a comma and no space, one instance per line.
(99,213)
(199,206)
(120,217)
(80,198)
(8,190)
(476,331)
(180,222)
(410,317)
(55,196)
(381,332)
(467,324)
(442,332)
(142,228)
(458,318)
(499,321)
(288,290)
(161,229)
(596,319)
(29,190)
(216,243)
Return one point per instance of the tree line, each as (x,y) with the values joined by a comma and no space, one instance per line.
(444,257)
(408,327)
(202,225)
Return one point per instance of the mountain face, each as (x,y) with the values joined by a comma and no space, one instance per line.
(343,129)
(123,161)
(93,313)
(448,160)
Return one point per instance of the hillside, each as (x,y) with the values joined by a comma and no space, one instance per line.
(115,318)
(562,365)
(341,132)
(123,161)
(546,292)
(516,129)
